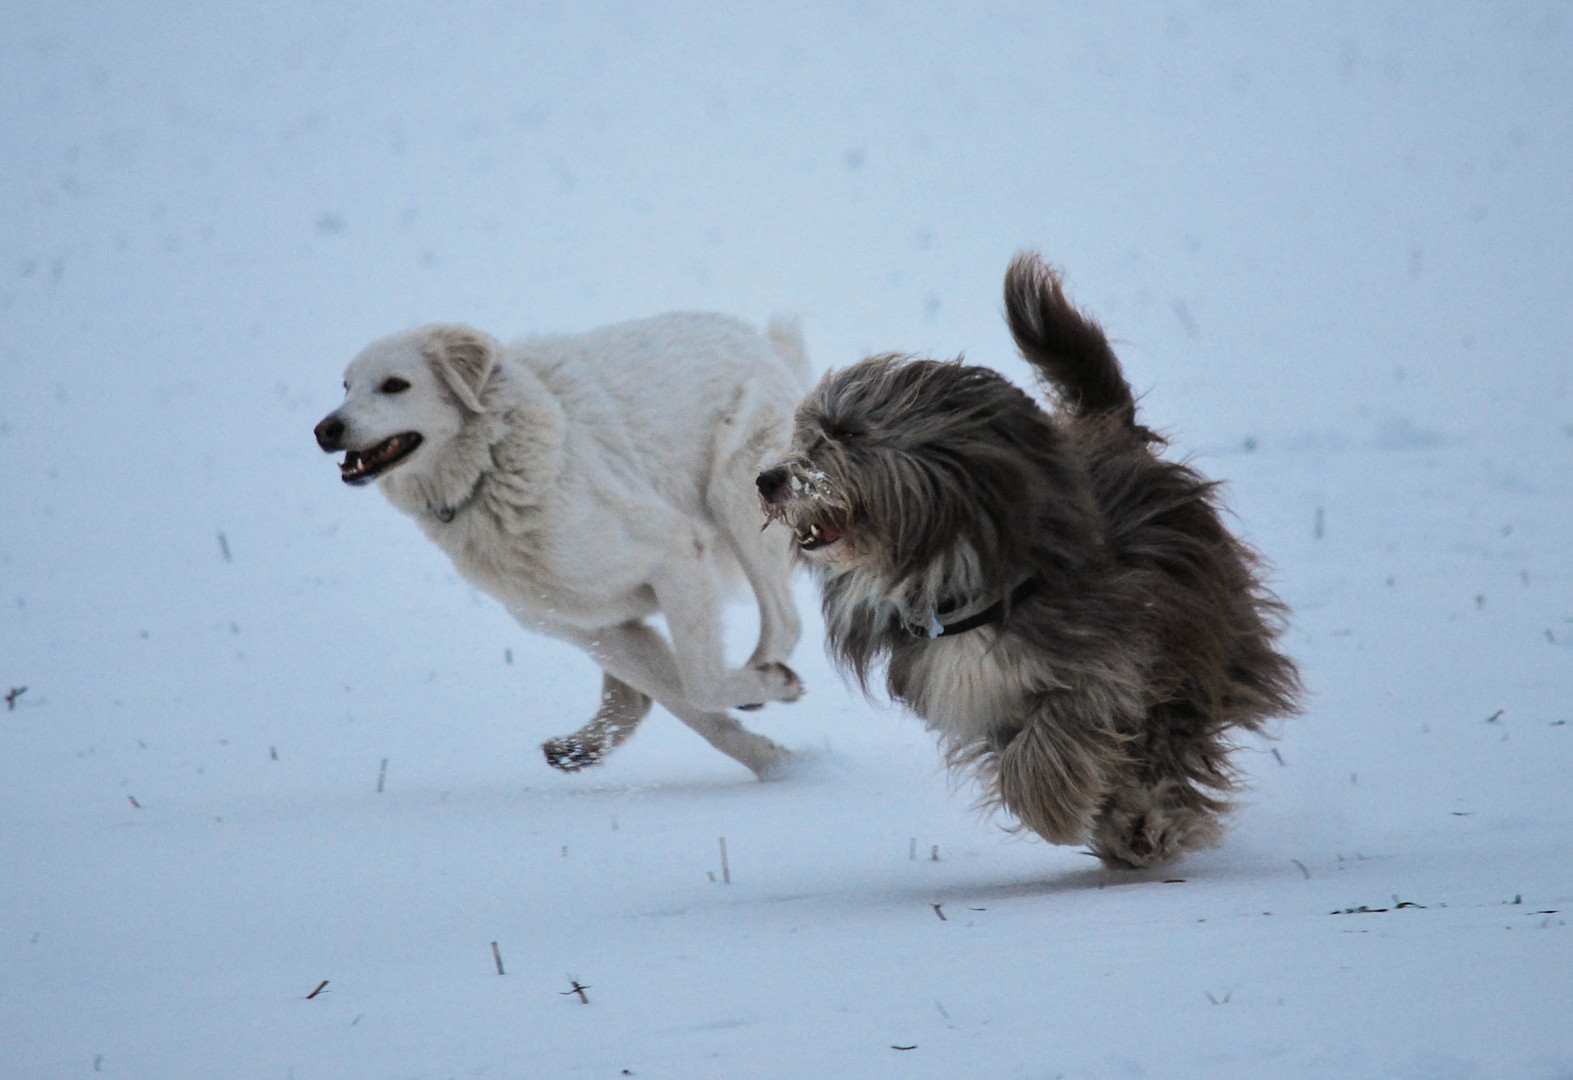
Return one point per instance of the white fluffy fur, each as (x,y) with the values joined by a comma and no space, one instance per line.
(591,481)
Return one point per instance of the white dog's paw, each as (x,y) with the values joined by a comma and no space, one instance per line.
(779,683)
(753,687)
(572,753)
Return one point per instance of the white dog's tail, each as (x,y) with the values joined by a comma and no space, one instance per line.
(787,337)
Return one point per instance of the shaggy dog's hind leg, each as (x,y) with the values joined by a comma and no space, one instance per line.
(622,709)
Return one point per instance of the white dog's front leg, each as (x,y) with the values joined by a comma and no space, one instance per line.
(692,608)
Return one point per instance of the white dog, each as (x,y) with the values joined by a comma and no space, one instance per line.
(591,481)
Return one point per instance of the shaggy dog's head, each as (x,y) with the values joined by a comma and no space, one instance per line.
(928,475)
(405,398)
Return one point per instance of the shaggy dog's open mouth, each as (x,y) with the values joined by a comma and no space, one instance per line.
(363,466)
(818,534)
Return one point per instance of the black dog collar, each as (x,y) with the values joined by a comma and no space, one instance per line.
(994,613)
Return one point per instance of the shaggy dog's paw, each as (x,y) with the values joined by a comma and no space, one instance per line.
(1133,841)
(570,754)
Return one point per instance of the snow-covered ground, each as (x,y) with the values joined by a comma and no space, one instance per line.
(268,738)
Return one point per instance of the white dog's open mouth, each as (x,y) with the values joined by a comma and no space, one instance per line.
(360,466)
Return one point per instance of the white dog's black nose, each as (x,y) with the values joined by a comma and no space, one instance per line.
(330,433)
(771,482)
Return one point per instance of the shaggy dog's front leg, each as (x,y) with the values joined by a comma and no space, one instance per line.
(1053,772)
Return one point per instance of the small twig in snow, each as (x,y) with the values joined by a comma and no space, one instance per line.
(726,870)
(1278,757)
(934,853)
(134,802)
(577,989)
(223,546)
(1303,870)
(11,696)
(893,1046)
(322,988)
(937,910)
(1494,717)
(382,774)
(497,956)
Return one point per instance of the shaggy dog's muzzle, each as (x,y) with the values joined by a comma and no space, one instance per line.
(805,501)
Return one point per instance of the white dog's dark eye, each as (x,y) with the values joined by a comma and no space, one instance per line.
(394,385)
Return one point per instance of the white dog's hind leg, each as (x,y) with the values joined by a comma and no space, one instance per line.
(634,654)
(619,715)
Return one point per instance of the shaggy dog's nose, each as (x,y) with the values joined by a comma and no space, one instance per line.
(329,433)
(770,483)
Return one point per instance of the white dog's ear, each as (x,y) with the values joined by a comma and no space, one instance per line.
(464,358)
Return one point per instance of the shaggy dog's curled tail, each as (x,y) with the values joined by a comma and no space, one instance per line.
(1068,349)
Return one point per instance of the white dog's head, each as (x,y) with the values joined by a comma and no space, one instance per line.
(405,397)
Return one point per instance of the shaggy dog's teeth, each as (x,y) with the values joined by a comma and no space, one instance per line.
(810,535)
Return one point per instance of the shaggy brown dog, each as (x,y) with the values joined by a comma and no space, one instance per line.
(1064,608)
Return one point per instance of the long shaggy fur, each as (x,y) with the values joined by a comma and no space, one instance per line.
(1100,708)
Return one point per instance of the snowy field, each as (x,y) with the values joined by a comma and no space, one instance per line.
(268,740)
